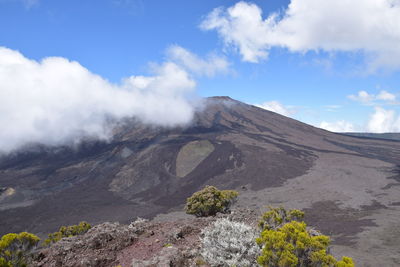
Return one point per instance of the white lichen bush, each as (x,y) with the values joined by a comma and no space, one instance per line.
(138,225)
(227,243)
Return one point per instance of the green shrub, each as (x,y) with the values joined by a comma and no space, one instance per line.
(288,243)
(276,217)
(16,248)
(68,231)
(209,201)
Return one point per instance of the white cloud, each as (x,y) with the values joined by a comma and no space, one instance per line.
(338,126)
(204,67)
(241,26)
(57,101)
(277,107)
(380,121)
(367,26)
(386,96)
(362,96)
(383,121)
(366,98)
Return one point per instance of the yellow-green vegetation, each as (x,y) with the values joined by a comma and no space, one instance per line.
(276,217)
(68,231)
(209,201)
(286,242)
(15,249)
(200,262)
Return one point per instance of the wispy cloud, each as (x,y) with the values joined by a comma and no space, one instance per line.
(209,66)
(332,108)
(371,99)
(277,107)
(386,96)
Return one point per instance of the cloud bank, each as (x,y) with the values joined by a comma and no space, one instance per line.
(338,126)
(56,101)
(366,26)
(383,121)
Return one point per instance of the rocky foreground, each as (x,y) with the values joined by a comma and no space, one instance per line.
(140,244)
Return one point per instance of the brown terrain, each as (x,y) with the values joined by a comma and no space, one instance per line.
(349,187)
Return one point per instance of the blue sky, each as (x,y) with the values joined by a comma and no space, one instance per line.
(323,70)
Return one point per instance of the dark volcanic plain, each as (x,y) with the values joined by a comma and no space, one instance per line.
(348,186)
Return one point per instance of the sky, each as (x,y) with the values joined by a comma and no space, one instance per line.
(66,65)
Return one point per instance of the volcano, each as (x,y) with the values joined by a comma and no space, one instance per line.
(348,186)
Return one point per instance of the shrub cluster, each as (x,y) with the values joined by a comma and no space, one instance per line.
(227,243)
(283,241)
(16,248)
(209,201)
(67,231)
(286,242)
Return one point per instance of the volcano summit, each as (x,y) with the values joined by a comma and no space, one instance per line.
(348,186)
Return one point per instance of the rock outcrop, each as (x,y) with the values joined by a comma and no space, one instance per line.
(98,247)
(142,243)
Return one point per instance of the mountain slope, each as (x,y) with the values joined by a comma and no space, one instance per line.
(347,185)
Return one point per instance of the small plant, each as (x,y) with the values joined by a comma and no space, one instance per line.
(288,243)
(209,201)
(67,231)
(16,248)
(227,243)
(276,217)
(200,262)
